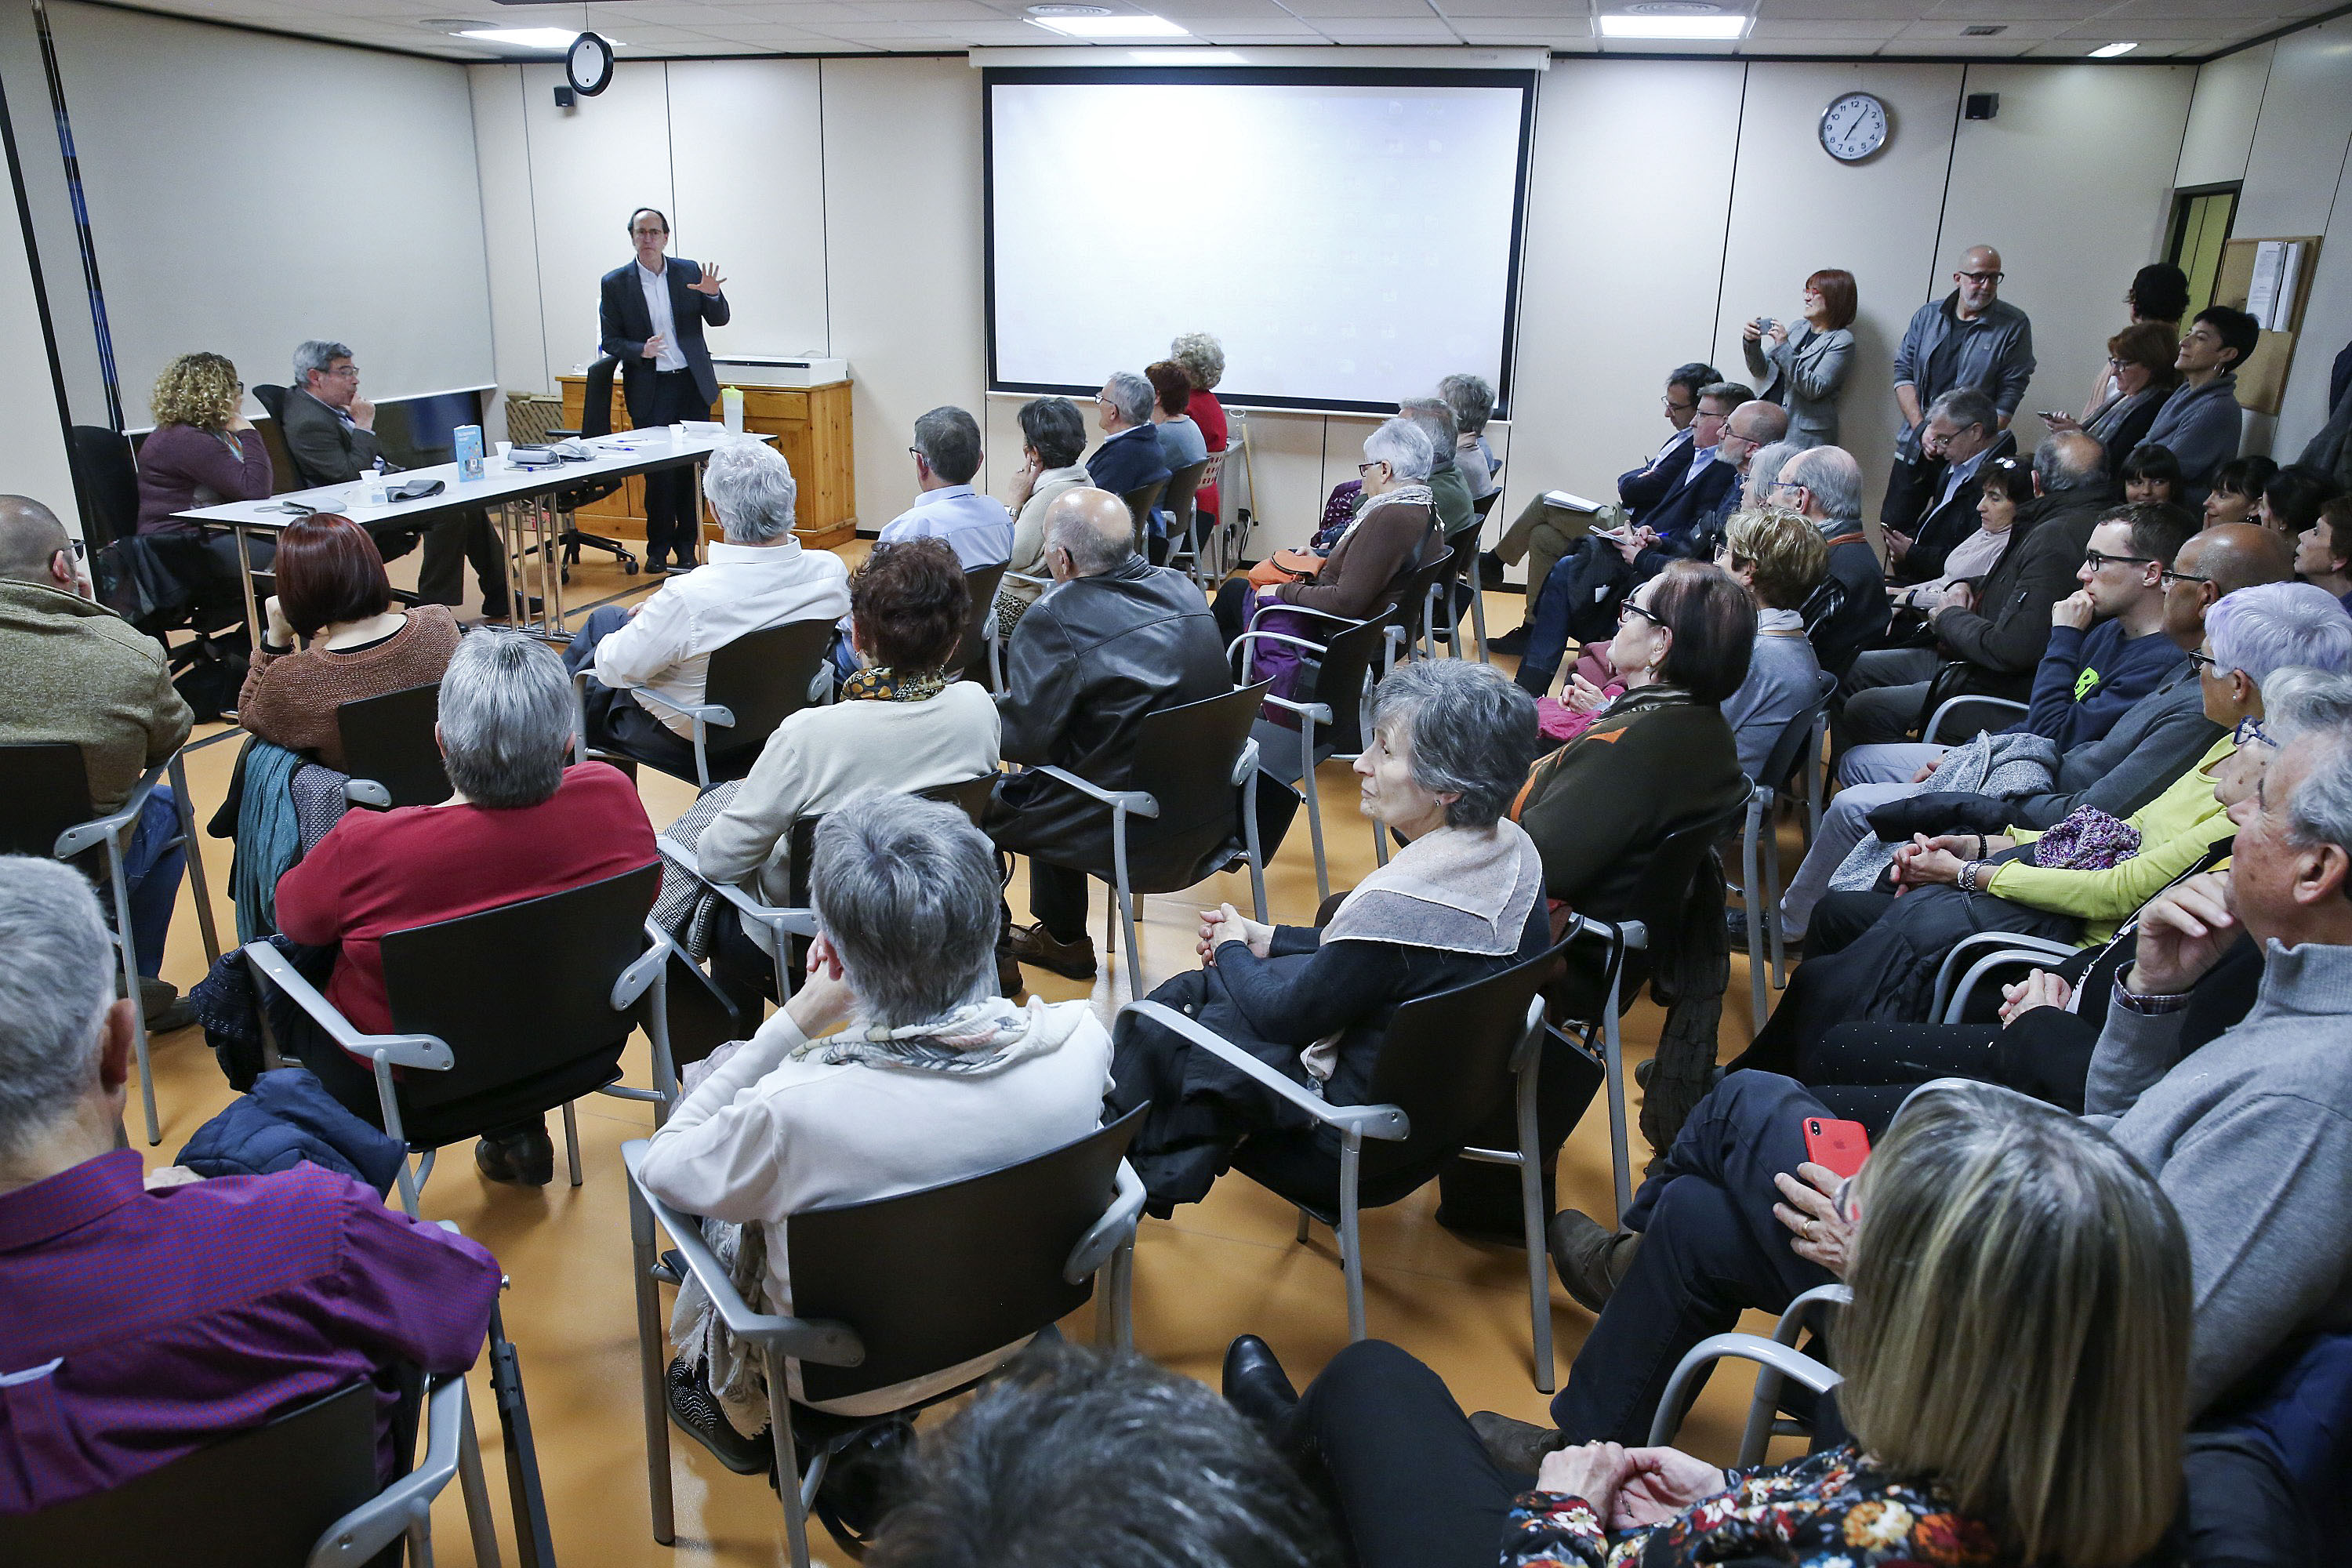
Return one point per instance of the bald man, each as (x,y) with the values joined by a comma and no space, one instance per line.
(1114,639)
(72,671)
(1971,337)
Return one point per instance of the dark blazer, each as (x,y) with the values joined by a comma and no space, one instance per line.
(1848,611)
(1641,488)
(1676,517)
(2005,635)
(624,324)
(1950,523)
(325,450)
(1129,461)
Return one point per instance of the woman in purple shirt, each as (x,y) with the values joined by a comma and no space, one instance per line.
(203,450)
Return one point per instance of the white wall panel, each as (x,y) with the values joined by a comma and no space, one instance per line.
(2221,129)
(2300,139)
(35,463)
(751,196)
(2327,327)
(589,166)
(518,315)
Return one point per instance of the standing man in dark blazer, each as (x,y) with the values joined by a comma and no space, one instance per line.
(651,318)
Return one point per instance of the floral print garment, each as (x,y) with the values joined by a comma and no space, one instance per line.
(1831,1510)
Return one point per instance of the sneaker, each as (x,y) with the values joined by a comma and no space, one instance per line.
(1514,641)
(1033,944)
(526,1160)
(694,1411)
(1591,1259)
(1490,569)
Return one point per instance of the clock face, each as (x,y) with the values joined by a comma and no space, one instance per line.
(589,64)
(1853,127)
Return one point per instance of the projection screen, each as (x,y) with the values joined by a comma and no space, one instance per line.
(1348,235)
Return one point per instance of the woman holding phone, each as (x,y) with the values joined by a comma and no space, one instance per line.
(1802,365)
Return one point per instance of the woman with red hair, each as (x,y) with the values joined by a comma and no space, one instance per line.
(1801,365)
(332,595)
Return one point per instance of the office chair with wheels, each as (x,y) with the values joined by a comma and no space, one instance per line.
(595,419)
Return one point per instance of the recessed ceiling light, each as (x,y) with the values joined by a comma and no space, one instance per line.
(1984,30)
(527,37)
(1187,57)
(1110,26)
(1068,10)
(1672,8)
(2109,51)
(1622,25)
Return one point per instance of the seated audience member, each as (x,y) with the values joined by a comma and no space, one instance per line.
(2151,743)
(1804,373)
(1764,465)
(1779,557)
(947,454)
(1472,399)
(1203,359)
(1970,1363)
(2138,376)
(73,670)
(2324,553)
(901,724)
(2003,484)
(2107,647)
(759,576)
(1392,533)
(1449,492)
(1542,532)
(1182,445)
(1753,426)
(931,1078)
(2151,476)
(2050,1020)
(1129,459)
(1450,744)
(1114,640)
(519,824)
(1999,627)
(261,1294)
(333,595)
(2159,295)
(1963,433)
(2238,489)
(1068,1450)
(1052,437)
(2291,501)
(203,450)
(1578,600)
(330,432)
(2201,423)
(1848,611)
(2246,1135)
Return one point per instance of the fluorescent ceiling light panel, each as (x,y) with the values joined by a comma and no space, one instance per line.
(1187,58)
(2109,51)
(1617,25)
(528,38)
(1110,26)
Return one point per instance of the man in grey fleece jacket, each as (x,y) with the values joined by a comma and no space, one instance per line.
(2251,1135)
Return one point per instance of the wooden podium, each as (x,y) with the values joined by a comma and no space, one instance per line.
(812,429)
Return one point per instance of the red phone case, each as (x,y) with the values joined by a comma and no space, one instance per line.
(1843,1146)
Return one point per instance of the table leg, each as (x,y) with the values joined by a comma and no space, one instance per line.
(551,526)
(253,622)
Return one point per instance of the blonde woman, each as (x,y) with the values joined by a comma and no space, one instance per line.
(1780,558)
(203,450)
(2016,1365)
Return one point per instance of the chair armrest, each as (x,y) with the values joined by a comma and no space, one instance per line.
(1799,1312)
(1383,1121)
(1318,711)
(1935,721)
(1779,1358)
(1040,582)
(1977,943)
(784,920)
(1344,623)
(708,713)
(822,1341)
(99,829)
(638,977)
(368,793)
(426,1051)
(1138,802)
(385,1517)
(1109,1234)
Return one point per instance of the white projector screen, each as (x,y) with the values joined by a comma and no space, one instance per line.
(1349,236)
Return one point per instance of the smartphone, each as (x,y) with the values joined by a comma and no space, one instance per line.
(1843,1146)
(2048,414)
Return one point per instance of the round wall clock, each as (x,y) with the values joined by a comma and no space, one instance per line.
(1855,126)
(589,63)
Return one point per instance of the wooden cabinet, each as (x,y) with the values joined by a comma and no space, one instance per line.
(812,429)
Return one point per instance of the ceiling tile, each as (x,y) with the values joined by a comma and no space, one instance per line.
(1257,30)
(2144,29)
(1351,27)
(1948,29)
(1770,29)
(1767,47)
(1488,30)
(2268,13)
(1839,10)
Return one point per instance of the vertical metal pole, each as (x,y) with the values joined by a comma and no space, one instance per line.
(1531,1201)
(197,885)
(649,1365)
(1352,1251)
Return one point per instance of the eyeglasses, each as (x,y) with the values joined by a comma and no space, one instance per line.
(1363,468)
(2169,577)
(2095,559)
(1629,608)
(345,373)
(2204,663)
(916,451)
(1983,277)
(1674,407)
(2250,729)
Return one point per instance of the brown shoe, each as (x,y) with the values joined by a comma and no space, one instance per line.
(1033,944)
(1590,1258)
(1010,984)
(1515,1447)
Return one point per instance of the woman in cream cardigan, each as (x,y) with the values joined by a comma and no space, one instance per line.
(1053,439)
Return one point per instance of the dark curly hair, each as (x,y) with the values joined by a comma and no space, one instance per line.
(910,602)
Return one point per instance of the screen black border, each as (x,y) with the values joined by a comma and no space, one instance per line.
(1526,81)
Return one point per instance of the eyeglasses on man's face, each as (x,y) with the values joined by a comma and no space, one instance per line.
(1674,407)
(2095,559)
(345,372)
(1984,277)
(2169,577)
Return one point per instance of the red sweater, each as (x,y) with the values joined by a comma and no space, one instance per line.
(1210,415)
(384,871)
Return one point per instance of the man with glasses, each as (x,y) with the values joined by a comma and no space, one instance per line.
(2201,423)
(1130,458)
(1964,434)
(947,454)
(1848,611)
(1968,338)
(650,315)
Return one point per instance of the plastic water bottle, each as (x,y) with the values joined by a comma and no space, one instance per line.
(730,408)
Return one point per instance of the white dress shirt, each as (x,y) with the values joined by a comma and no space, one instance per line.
(656,288)
(667,647)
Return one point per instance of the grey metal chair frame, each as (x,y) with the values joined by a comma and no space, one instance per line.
(1390,1123)
(1777,1359)
(1998,707)
(1759,842)
(429,1053)
(1983,951)
(699,718)
(1107,1251)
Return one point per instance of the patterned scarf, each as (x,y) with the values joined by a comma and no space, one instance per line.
(977,1038)
(880,683)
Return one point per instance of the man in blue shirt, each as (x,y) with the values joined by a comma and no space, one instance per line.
(947,454)
(2091,672)
(1130,458)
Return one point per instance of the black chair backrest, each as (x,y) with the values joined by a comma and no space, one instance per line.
(970,796)
(971,650)
(1412,588)
(935,1278)
(763,678)
(47,788)
(1781,760)
(1446,1059)
(1177,500)
(596,399)
(1666,881)
(1350,667)
(1185,757)
(1485,503)
(260,1498)
(106,481)
(272,398)
(1139,503)
(390,739)
(519,991)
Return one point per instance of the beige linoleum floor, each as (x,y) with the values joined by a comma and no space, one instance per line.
(1223,1267)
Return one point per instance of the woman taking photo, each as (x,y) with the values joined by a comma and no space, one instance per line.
(1464,900)
(1802,370)
(334,600)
